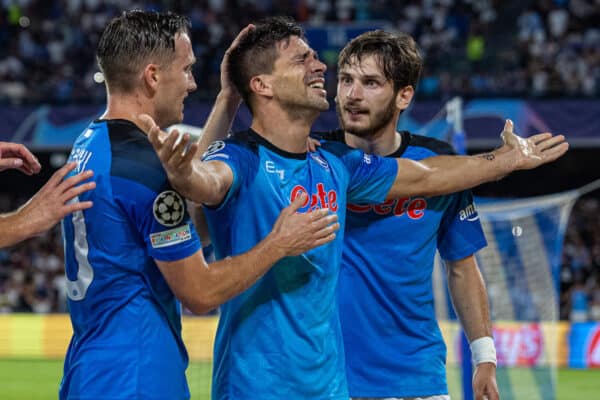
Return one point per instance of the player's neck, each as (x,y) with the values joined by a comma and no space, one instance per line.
(127,107)
(284,130)
(382,143)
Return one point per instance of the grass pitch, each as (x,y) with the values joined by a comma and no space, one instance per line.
(39,379)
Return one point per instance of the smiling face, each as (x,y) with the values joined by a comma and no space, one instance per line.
(298,77)
(366,100)
(174,83)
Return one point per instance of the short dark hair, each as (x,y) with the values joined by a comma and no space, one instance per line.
(396,53)
(134,38)
(257,51)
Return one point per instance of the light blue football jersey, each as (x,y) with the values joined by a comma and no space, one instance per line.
(393,344)
(281,338)
(126,340)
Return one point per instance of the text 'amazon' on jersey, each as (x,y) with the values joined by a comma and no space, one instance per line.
(281,338)
(393,344)
(126,321)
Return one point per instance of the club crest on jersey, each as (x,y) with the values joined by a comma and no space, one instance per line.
(213,148)
(321,199)
(168,208)
(413,208)
(320,161)
(469,213)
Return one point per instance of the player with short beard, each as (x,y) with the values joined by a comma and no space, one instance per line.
(389,248)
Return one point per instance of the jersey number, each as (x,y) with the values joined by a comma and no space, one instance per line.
(77,289)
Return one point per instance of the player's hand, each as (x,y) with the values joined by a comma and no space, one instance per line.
(312,144)
(533,151)
(227,86)
(16,156)
(53,201)
(484,382)
(297,233)
(176,157)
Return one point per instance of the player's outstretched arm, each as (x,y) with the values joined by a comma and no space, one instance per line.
(469,296)
(226,105)
(202,183)
(47,207)
(447,174)
(202,287)
(16,156)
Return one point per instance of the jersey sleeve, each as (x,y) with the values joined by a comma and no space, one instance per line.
(371,176)
(460,234)
(160,218)
(236,158)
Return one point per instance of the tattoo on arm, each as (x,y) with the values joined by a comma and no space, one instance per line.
(487,156)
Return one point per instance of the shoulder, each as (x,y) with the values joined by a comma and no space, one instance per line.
(334,136)
(240,142)
(428,144)
(133,157)
(340,149)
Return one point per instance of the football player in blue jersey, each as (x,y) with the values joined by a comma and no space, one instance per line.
(282,338)
(132,255)
(394,348)
(48,206)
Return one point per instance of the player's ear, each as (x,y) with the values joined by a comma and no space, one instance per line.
(262,85)
(150,77)
(404,97)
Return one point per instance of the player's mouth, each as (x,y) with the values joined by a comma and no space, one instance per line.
(318,85)
(355,112)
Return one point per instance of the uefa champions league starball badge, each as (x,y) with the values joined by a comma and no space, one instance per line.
(168,208)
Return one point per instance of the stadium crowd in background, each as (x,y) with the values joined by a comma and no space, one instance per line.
(40,37)
(580,273)
(552,49)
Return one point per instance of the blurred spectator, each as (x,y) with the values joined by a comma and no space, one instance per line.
(580,272)
(554,48)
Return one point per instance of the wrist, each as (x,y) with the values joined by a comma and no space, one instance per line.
(273,246)
(483,350)
(230,97)
(506,160)
(17,226)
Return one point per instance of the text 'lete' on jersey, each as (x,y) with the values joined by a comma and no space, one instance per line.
(281,338)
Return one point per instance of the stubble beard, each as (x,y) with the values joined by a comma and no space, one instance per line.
(302,105)
(378,121)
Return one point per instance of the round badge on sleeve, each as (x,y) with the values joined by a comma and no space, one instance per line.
(213,148)
(168,208)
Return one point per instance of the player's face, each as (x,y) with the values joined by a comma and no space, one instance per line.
(176,81)
(299,77)
(365,101)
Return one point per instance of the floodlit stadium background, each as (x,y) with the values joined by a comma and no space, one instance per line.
(536,62)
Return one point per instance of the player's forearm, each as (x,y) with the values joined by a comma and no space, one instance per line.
(449,174)
(231,276)
(440,175)
(201,186)
(220,119)
(14,229)
(469,297)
